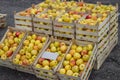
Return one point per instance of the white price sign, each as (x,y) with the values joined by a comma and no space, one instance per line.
(50,55)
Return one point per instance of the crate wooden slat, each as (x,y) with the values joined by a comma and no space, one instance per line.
(86,73)
(46,29)
(28,68)
(6,62)
(48,74)
(100,31)
(23,22)
(3,20)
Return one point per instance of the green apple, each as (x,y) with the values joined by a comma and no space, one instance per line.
(34,52)
(85,58)
(5,48)
(53,49)
(56,43)
(76,55)
(65,63)
(82,67)
(79,61)
(75,69)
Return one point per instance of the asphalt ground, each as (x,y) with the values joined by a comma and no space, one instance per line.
(110,70)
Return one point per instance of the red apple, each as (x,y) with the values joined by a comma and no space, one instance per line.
(88,17)
(39,38)
(17,34)
(9,53)
(41,60)
(84,52)
(72,62)
(80,3)
(25,62)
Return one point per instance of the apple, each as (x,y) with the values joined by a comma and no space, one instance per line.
(68,56)
(53,63)
(38,66)
(65,63)
(23,57)
(62,44)
(77,56)
(75,74)
(72,63)
(34,52)
(34,36)
(9,34)
(17,34)
(25,62)
(46,67)
(72,52)
(45,63)
(80,3)
(11,41)
(37,42)
(1,52)
(16,61)
(90,53)
(29,38)
(40,45)
(36,48)
(43,39)
(39,38)
(63,48)
(5,48)
(53,49)
(85,58)
(75,69)
(62,71)
(16,40)
(67,67)
(84,52)
(1,45)
(88,17)
(28,55)
(59,58)
(41,60)
(9,53)
(31,45)
(52,45)
(22,51)
(79,61)
(69,72)
(90,47)
(32,41)
(79,49)
(56,44)
(26,42)
(82,67)
(18,56)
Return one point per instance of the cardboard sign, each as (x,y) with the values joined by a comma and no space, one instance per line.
(50,55)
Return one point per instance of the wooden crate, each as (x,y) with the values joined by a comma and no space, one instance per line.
(64,32)
(28,68)
(43,25)
(3,20)
(100,60)
(23,22)
(86,73)
(98,31)
(6,62)
(112,41)
(49,74)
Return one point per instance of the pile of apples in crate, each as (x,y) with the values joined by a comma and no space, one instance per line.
(68,58)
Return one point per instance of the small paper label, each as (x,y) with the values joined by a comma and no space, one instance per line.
(50,55)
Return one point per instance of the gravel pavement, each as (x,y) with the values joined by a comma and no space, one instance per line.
(110,70)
